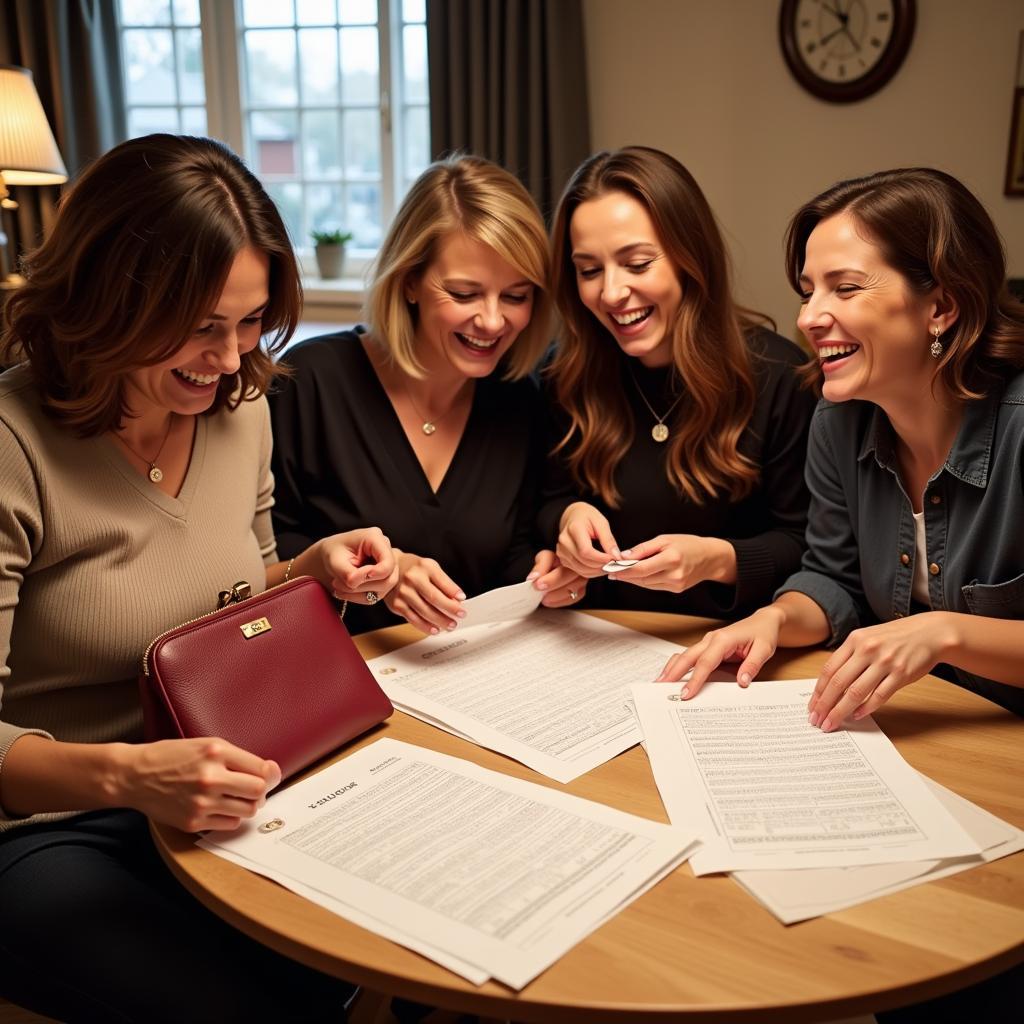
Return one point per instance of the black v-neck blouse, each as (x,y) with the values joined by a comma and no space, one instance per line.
(342,461)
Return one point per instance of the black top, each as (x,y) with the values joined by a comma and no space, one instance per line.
(342,461)
(766,528)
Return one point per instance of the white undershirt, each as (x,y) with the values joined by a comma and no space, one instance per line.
(919,586)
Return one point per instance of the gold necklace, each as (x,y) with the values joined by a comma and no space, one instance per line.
(659,431)
(156,474)
(429,425)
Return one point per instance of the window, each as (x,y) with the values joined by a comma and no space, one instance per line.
(326,99)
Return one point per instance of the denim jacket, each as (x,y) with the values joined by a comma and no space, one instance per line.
(859,563)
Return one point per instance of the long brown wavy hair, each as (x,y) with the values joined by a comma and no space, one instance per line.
(142,245)
(932,230)
(710,356)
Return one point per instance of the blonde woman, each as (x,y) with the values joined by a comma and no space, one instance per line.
(426,424)
(681,422)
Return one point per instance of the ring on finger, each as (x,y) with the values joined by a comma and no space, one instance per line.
(372,597)
(574,595)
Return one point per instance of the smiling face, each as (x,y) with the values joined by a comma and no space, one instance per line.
(869,329)
(624,276)
(187,382)
(472,305)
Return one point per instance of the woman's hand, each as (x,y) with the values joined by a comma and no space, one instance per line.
(193,784)
(874,662)
(752,641)
(585,541)
(356,563)
(425,595)
(563,586)
(677,561)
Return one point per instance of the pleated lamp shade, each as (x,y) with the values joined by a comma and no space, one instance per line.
(28,150)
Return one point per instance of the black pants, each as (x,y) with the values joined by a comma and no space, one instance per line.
(93,927)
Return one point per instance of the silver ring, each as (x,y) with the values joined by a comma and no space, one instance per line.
(372,597)
(574,595)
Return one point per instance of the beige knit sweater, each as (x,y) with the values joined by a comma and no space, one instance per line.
(95,561)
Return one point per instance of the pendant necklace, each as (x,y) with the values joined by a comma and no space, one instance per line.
(429,426)
(156,474)
(659,431)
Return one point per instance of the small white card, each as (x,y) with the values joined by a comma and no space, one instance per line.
(618,564)
(501,605)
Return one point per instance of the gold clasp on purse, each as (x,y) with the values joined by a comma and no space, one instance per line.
(255,628)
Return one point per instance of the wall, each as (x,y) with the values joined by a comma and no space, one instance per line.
(706,81)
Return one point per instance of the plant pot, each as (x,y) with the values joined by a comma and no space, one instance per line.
(330,260)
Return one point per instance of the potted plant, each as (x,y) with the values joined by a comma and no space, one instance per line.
(330,251)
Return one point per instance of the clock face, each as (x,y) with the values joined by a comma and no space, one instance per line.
(844,50)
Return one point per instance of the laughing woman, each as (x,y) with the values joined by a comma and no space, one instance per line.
(427,424)
(681,422)
(915,558)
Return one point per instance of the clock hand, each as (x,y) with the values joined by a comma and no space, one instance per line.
(825,39)
(852,40)
(837,14)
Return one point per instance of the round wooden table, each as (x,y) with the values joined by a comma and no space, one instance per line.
(698,948)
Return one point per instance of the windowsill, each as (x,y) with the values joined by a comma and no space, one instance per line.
(342,291)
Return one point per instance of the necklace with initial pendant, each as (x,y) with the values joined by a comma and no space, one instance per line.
(156,474)
(659,431)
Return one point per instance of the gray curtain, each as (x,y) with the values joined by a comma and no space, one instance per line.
(71,48)
(508,82)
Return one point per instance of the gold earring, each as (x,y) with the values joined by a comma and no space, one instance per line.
(936,346)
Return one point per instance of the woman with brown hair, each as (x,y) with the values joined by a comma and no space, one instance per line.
(679,418)
(427,422)
(135,474)
(915,558)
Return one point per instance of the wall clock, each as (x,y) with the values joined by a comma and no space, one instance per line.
(844,50)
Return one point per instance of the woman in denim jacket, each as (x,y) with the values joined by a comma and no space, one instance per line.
(915,557)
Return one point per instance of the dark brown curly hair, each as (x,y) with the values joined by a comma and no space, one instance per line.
(139,254)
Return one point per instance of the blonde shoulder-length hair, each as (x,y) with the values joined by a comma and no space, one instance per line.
(485,202)
(710,357)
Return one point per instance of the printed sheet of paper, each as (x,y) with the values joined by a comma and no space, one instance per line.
(765,790)
(550,690)
(501,605)
(797,895)
(503,874)
(474,975)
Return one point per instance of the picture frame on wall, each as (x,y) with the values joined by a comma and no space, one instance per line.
(1015,159)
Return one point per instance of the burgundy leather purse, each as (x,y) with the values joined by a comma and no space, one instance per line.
(276,674)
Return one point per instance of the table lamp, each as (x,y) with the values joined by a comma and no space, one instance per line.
(28,150)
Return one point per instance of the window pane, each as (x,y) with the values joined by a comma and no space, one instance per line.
(270,62)
(288,196)
(274,140)
(359,65)
(363,215)
(145,12)
(321,144)
(316,12)
(318,65)
(186,12)
(149,66)
(146,120)
(416,136)
(267,12)
(193,120)
(362,143)
(358,12)
(325,211)
(414,10)
(414,61)
(190,66)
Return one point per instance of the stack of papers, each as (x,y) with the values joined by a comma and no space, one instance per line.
(807,822)
(550,689)
(490,876)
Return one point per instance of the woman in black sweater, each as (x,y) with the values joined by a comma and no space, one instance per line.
(427,424)
(679,419)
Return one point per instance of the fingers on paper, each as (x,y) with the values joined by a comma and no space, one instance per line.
(543,563)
